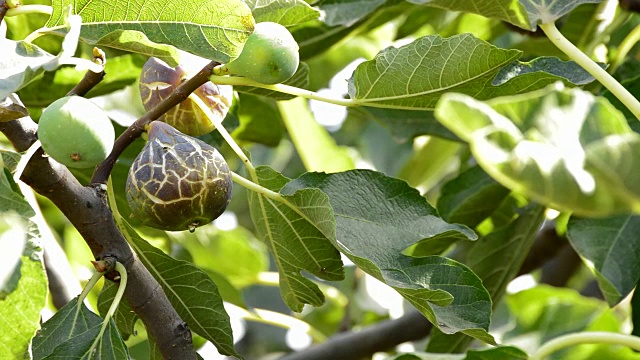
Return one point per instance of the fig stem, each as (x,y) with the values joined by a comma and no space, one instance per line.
(91,78)
(269,194)
(592,68)
(181,93)
(258,188)
(287,89)
(223,132)
(114,305)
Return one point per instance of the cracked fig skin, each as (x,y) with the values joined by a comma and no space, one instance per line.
(177,182)
(158,80)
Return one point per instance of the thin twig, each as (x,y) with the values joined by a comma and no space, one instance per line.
(90,79)
(181,93)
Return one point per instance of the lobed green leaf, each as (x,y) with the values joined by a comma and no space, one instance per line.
(415,76)
(376,218)
(299,237)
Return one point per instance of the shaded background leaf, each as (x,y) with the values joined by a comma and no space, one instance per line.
(613,246)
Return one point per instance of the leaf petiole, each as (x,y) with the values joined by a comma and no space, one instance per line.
(225,134)
(114,305)
(594,337)
(258,188)
(592,68)
(287,89)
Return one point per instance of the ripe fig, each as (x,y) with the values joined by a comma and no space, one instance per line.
(76,132)
(270,55)
(177,182)
(158,80)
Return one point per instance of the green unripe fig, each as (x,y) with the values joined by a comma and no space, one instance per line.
(76,132)
(177,182)
(158,80)
(270,55)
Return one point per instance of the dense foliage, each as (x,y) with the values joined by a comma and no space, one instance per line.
(462,175)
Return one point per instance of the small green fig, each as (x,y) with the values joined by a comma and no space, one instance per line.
(76,132)
(270,55)
(158,80)
(177,182)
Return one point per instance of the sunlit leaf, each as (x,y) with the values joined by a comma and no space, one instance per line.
(296,241)
(20,64)
(613,246)
(507,10)
(377,217)
(562,147)
(190,290)
(414,76)
(10,197)
(213,29)
(284,12)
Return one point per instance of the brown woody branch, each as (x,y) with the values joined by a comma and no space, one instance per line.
(90,79)
(3,9)
(86,209)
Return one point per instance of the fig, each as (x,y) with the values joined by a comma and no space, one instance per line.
(177,182)
(158,80)
(76,132)
(270,55)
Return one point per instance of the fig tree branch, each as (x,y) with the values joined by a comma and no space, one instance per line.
(86,209)
(361,344)
(181,93)
(90,79)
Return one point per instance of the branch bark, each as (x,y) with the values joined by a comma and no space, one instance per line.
(86,209)
(355,345)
